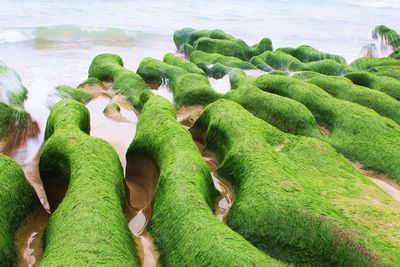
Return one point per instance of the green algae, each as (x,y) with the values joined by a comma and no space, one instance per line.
(203,59)
(307,54)
(280,60)
(110,67)
(217,41)
(395,54)
(177,61)
(366,63)
(65,91)
(88,228)
(356,131)
(12,91)
(16,200)
(296,198)
(390,36)
(390,71)
(188,88)
(343,88)
(387,85)
(284,113)
(184,228)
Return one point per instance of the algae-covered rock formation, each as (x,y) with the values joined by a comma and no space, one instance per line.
(284,113)
(15,123)
(280,60)
(217,41)
(391,37)
(183,225)
(188,88)
(203,60)
(88,228)
(12,91)
(67,92)
(17,197)
(109,67)
(395,54)
(306,54)
(343,88)
(174,60)
(297,198)
(387,85)
(356,131)
(366,63)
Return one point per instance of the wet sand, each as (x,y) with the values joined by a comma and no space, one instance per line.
(140,184)
(187,116)
(385,183)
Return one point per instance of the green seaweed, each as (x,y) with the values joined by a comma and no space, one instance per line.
(297,198)
(366,63)
(184,228)
(307,54)
(109,67)
(177,61)
(88,228)
(387,85)
(343,88)
(188,88)
(16,200)
(202,60)
(390,36)
(12,91)
(65,91)
(284,113)
(395,54)
(356,131)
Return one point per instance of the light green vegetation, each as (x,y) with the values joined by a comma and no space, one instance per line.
(12,91)
(356,131)
(88,228)
(188,88)
(109,67)
(387,85)
(217,41)
(65,91)
(297,199)
(306,54)
(16,200)
(284,113)
(390,36)
(343,88)
(183,225)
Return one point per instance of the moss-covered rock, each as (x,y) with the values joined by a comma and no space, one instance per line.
(307,54)
(328,67)
(395,54)
(221,46)
(284,113)
(187,88)
(366,63)
(390,36)
(177,61)
(390,71)
(88,228)
(297,198)
(343,88)
(12,91)
(16,200)
(203,60)
(356,131)
(109,67)
(260,63)
(184,228)
(65,91)
(281,61)
(217,41)
(387,85)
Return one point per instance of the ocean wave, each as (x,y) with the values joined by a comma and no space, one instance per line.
(71,33)
(374,3)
